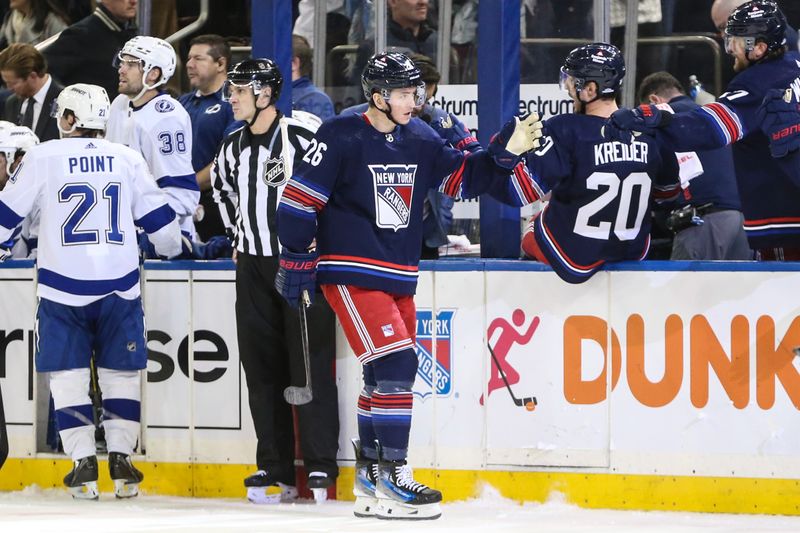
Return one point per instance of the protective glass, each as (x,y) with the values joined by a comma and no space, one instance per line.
(565,81)
(128,62)
(401,96)
(732,42)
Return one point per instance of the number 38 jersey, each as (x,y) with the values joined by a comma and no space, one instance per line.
(602,194)
(91,193)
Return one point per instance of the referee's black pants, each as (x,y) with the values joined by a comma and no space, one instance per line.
(268,331)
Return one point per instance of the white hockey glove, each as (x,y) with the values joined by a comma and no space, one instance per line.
(514,139)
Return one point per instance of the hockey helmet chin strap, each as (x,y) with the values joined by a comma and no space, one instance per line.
(388,111)
(259,109)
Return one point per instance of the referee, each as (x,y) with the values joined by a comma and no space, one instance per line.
(250,171)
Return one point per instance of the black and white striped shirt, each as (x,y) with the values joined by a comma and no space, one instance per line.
(249,174)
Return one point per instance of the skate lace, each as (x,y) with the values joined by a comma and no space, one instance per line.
(405,478)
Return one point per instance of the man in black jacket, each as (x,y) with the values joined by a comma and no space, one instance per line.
(24,71)
(85,51)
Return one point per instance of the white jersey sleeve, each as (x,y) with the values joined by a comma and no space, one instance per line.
(120,123)
(18,198)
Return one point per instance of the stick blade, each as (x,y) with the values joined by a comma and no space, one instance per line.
(297,395)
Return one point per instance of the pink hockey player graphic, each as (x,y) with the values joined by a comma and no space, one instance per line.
(509,336)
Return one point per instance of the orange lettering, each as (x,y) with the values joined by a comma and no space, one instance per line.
(772,362)
(660,393)
(733,373)
(576,330)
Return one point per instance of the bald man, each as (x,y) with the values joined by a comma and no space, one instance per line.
(721,10)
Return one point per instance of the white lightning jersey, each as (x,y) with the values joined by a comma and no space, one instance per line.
(91,194)
(162,131)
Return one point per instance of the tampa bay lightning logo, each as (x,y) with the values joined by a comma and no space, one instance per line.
(213,109)
(394,191)
(434,370)
(164,106)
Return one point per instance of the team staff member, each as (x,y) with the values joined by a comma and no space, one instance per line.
(249,174)
(211,116)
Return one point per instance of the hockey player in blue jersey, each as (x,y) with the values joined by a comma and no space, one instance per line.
(600,193)
(768,186)
(92,194)
(360,195)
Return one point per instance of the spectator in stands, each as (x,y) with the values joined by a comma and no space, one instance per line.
(722,9)
(85,51)
(207,68)
(24,71)
(31,22)
(407,27)
(712,195)
(305,95)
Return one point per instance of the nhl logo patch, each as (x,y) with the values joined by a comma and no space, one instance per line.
(274,172)
(394,191)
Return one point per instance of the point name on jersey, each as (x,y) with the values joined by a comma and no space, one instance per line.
(615,151)
(93,163)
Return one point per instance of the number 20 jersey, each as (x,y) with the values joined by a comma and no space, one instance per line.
(602,194)
(91,193)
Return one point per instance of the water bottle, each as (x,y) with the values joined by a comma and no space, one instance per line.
(697,93)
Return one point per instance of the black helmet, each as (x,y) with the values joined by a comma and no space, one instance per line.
(392,70)
(759,20)
(601,63)
(258,73)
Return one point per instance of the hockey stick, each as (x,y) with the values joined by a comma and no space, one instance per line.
(528,402)
(3,433)
(302,395)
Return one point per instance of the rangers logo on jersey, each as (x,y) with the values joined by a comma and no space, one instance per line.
(394,190)
(438,372)
(274,172)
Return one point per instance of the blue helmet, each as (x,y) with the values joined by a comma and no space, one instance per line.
(391,70)
(601,63)
(758,20)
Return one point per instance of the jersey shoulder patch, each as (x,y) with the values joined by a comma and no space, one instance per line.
(164,106)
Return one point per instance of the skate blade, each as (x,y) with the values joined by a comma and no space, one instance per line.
(123,489)
(365,506)
(394,510)
(86,491)
(320,495)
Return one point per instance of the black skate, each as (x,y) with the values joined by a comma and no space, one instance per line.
(364,486)
(262,488)
(126,477)
(319,483)
(82,479)
(402,498)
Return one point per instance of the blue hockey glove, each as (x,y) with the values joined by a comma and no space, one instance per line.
(644,119)
(779,117)
(297,273)
(217,247)
(514,139)
(455,133)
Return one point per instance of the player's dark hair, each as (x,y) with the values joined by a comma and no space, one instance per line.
(660,83)
(218,47)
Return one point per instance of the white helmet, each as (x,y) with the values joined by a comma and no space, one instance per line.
(153,52)
(14,140)
(89,104)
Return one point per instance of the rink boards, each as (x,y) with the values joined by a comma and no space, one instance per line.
(689,400)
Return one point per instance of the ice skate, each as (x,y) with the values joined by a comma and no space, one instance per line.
(263,488)
(126,477)
(402,498)
(319,482)
(364,486)
(82,479)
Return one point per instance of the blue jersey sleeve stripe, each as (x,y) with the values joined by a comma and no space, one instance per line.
(156,219)
(8,218)
(188,181)
(82,287)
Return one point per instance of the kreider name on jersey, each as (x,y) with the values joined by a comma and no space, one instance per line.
(614,152)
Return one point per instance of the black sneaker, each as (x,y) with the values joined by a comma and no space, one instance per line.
(126,477)
(401,497)
(265,488)
(82,479)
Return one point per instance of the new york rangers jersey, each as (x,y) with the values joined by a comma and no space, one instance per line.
(360,192)
(162,131)
(601,194)
(90,193)
(768,187)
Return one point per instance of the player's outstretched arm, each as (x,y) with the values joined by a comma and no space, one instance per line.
(455,133)
(514,139)
(779,119)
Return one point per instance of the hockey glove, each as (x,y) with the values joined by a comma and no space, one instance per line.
(297,273)
(217,247)
(644,119)
(779,116)
(455,133)
(514,139)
